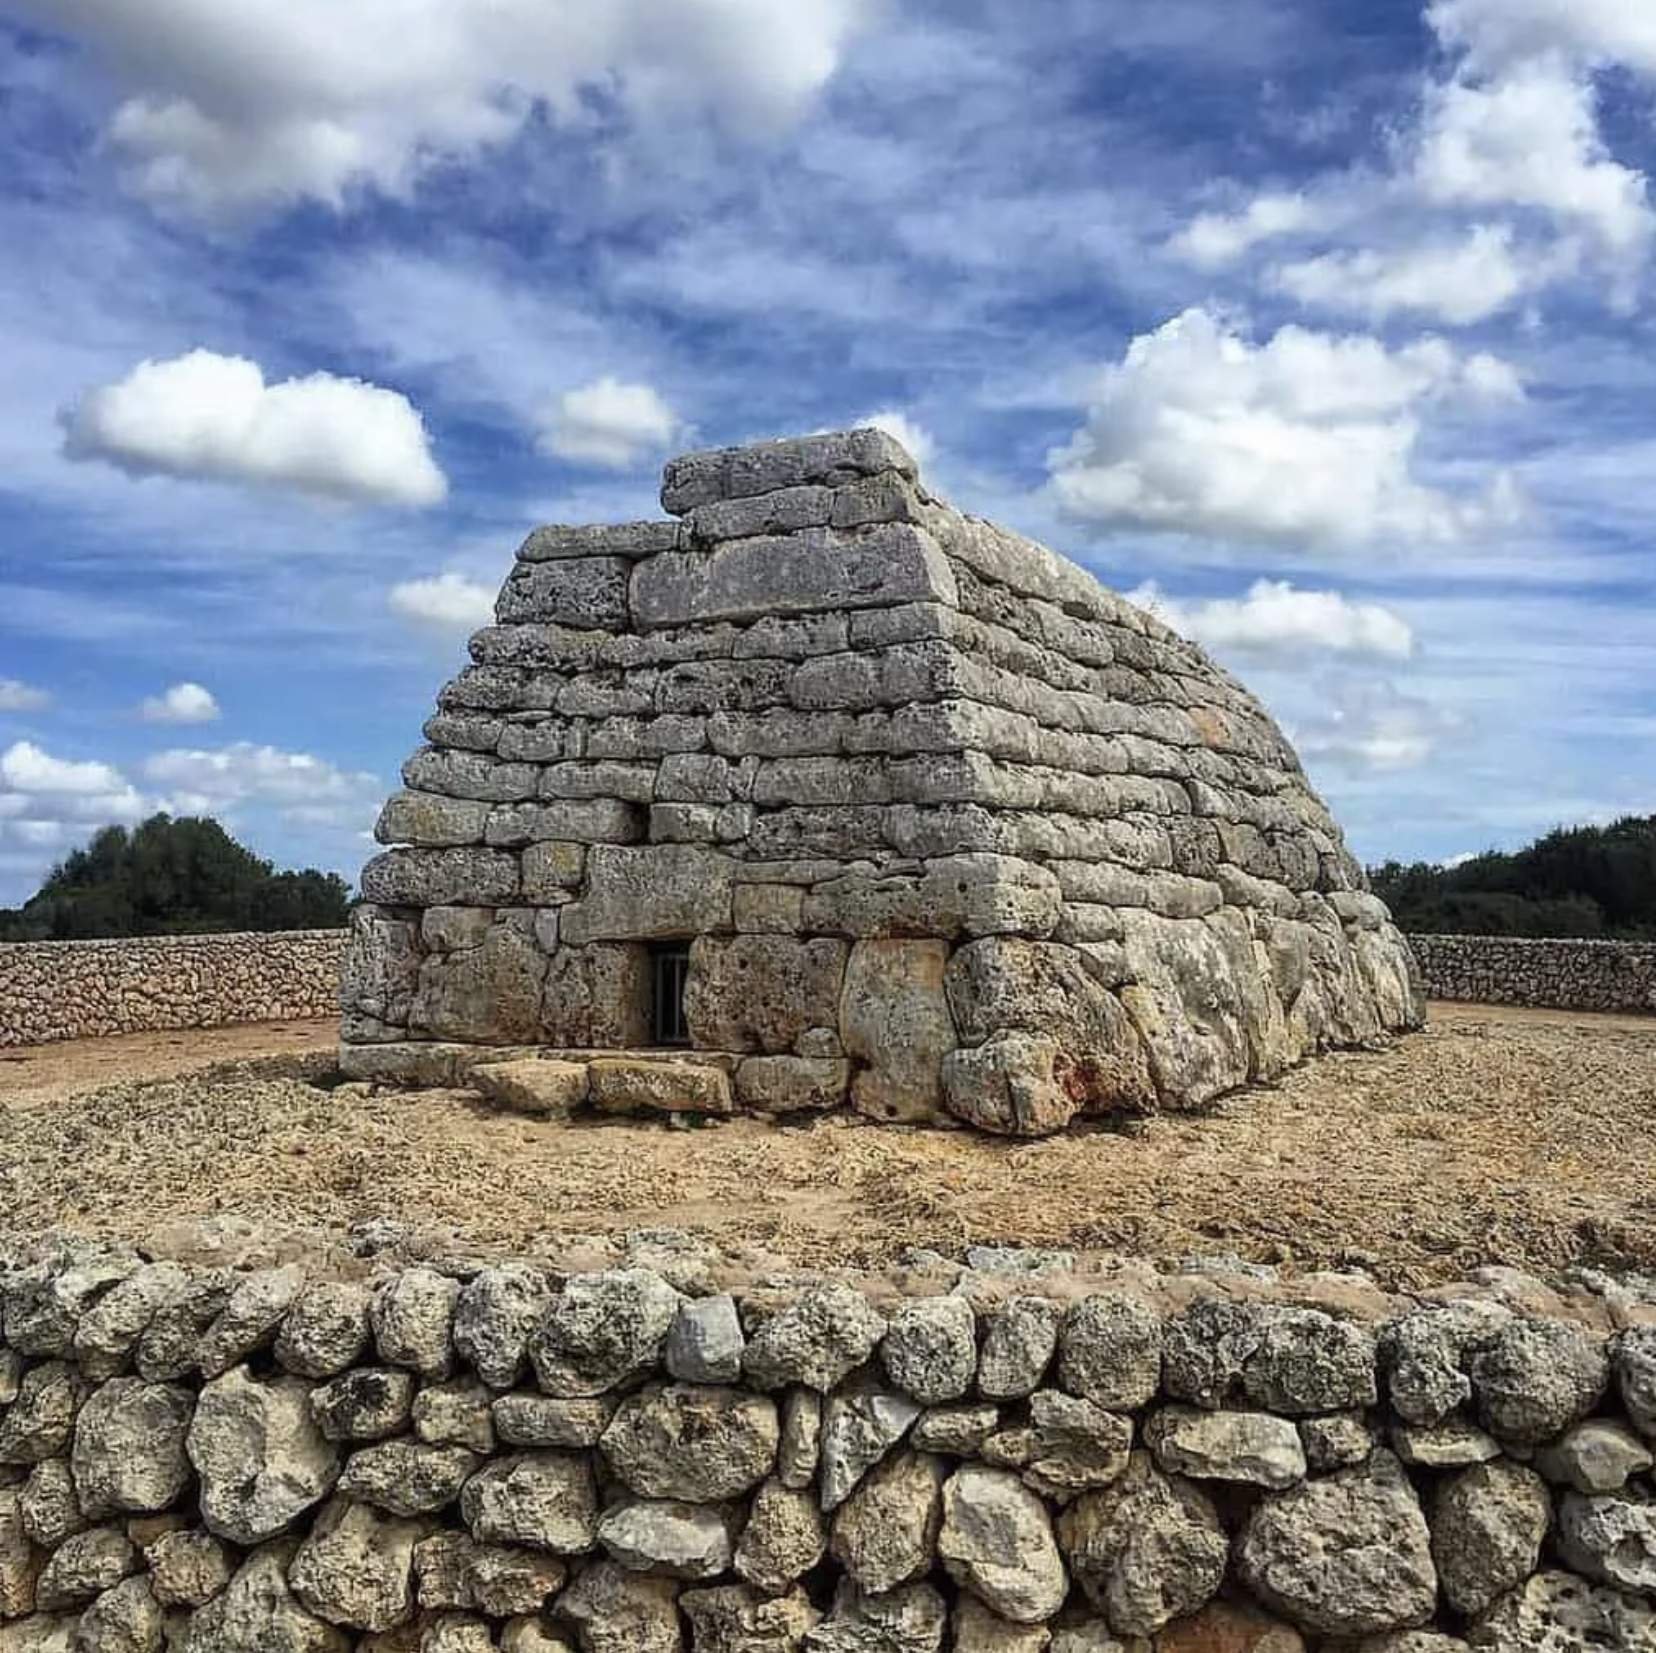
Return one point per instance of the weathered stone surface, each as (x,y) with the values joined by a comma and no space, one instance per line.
(602,1330)
(129,1448)
(456,1413)
(1346,1555)
(413,1322)
(1275,1358)
(1635,1365)
(996,1541)
(1556,1612)
(619,1084)
(792,1084)
(551,1089)
(761,992)
(1110,1351)
(957,1431)
(20,1562)
(1227,1627)
(817,1340)
(545,1500)
(45,1506)
(257,1610)
(800,1447)
(1067,1446)
(188,1567)
(1147,1549)
(1020,1339)
(1536,1378)
(261,1458)
(126,1618)
(1251,1447)
(705,1341)
(784,1538)
(617,1611)
(663,1536)
(363,1405)
(407,1478)
(735,1619)
(495,1315)
(589,593)
(650,893)
(355,1567)
(41,1420)
(1425,1355)
(1336,1442)
(1609,1538)
(544,1420)
(885,1532)
(692,1443)
(895,1022)
(1596,1456)
(1452,1444)
(84,1565)
(441,877)
(930,1349)
(326,1329)
(977,1630)
(860,1424)
(608,539)
(1487,1525)
(911,1619)
(830,459)
(431,821)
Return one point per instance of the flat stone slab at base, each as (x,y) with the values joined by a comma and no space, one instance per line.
(533,1085)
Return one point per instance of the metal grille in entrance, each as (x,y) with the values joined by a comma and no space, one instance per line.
(669,969)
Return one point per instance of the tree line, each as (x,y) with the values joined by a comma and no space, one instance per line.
(173,877)
(1575,881)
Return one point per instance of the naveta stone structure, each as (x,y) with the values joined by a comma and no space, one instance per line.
(822,792)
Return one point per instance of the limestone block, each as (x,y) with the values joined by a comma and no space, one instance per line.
(1006,984)
(616,1084)
(544,740)
(431,821)
(782,511)
(831,459)
(129,1448)
(692,1442)
(616,1611)
(974,895)
(803,573)
(490,994)
(885,1533)
(498,689)
(586,592)
(552,870)
(776,734)
(1013,1084)
(469,776)
(758,992)
(440,877)
(703,686)
(569,820)
(381,968)
(597,997)
(886,496)
(650,893)
(454,929)
(791,1084)
(631,782)
(557,541)
(997,1543)
(548,1088)
(894,1021)
(768,909)
(793,636)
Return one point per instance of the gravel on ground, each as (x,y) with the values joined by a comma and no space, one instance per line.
(1495,1136)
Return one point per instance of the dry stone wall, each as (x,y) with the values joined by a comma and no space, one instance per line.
(1006,1457)
(87,989)
(950,831)
(1565,975)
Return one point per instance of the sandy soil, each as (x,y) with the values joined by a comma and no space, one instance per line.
(1495,1136)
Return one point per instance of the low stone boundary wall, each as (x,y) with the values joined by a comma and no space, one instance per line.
(86,989)
(511,1457)
(1564,975)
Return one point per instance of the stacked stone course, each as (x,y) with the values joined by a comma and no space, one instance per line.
(140,984)
(952,831)
(1015,1456)
(1562,975)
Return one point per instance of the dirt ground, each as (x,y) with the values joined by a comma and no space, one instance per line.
(1496,1136)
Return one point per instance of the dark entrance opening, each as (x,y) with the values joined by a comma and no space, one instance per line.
(669,970)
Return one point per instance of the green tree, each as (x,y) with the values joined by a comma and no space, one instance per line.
(1573,881)
(173,877)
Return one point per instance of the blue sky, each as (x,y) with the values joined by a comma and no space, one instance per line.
(1326,329)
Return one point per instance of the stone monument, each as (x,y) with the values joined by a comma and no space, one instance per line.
(821,793)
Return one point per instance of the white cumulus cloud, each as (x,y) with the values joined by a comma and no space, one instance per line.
(214,418)
(901,428)
(182,703)
(1213,239)
(1307,439)
(610,424)
(1530,139)
(17,696)
(1459,282)
(42,796)
(1494,33)
(1371,724)
(220,777)
(1276,618)
(231,105)
(447,602)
